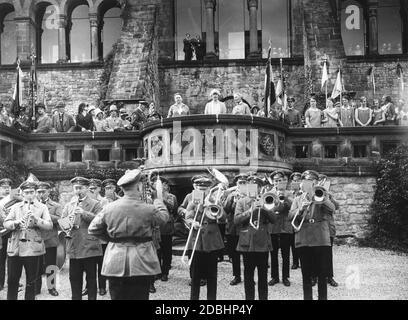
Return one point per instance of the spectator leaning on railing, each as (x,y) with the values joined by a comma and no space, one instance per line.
(62,121)
(215,106)
(346,113)
(178,109)
(43,121)
(153,113)
(84,120)
(4,117)
(403,116)
(241,107)
(331,115)
(99,121)
(313,115)
(292,116)
(389,110)
(113,122)
(378,114)
(22,121)
(139,115)
(363,113)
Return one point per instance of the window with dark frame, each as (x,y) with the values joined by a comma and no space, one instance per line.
(130,154)
(360,151)
(301,151)
(76,155)
(48,156)
(16,152)
(330,151)
(103,154)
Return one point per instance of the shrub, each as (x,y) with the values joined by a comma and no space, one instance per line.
(15,171)
(388,224)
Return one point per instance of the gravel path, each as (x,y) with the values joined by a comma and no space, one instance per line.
(363,274)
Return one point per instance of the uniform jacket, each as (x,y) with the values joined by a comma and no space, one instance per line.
(251,240)
(182,210)
(50,237)
(68,123)
(332,226)
(229,208)
(132,221)
(44,124)
(282,224)
(34,246)
(210,238)
(83,245)
(171,204)
(317,233)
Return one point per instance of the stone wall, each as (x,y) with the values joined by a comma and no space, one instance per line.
(72,85)
(194,83)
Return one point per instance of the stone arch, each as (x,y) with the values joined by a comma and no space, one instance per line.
(68,5)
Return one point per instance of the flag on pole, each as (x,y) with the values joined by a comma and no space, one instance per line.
(400,75)
(269,98)
(338,86)
(325,75)
(371,76)
(18,90)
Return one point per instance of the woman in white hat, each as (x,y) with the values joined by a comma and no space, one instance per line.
(178,109)
(99,121)
(215,106)
(113,122)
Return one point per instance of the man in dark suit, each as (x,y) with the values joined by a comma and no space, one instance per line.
(62,122)
(130,260)
(50,237)
(83,249)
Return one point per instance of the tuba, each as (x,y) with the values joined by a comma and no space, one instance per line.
(213,204)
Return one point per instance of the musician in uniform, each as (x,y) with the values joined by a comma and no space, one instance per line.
(313,238)
(25,246)
(5,200)
(95,188)
(295,179)
(83,248)
(109,186)
(330,278)
(130,260)
(254,241)
(166,231)
(209,242)
(281,232)
(232,231)
(50,237)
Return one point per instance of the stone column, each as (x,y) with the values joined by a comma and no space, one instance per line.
(26,38)
(253,29)
(62,47)
(372,27)
(93,19)
(209,39)
(100,41)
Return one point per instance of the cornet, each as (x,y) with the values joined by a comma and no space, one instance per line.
(25,223)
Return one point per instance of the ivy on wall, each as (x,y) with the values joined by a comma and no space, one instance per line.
(15,171)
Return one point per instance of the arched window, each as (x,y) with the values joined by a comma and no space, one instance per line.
(188,21)
(80,35)
(353,28)
(47,37)
(389,27)
(275,27)
(112,26)
(8,36)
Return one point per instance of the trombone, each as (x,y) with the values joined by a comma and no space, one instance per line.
(319,195)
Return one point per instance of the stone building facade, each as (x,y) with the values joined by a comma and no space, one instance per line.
(144,66)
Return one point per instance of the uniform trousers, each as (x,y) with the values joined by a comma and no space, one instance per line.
(15,266)
(165,253)
(257,260)
(204,266)
(314,260)
(222,227)
(130,288)
(3,259)
(232,242)
(49,259)
(295,256)
(282,241)
(101,278)
(77,267)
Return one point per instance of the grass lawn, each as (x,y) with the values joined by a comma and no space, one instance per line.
(362,274)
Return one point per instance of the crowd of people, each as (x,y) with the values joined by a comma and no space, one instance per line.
(122,231)
(349,112)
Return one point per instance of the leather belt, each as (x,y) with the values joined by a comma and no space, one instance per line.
(134,240)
